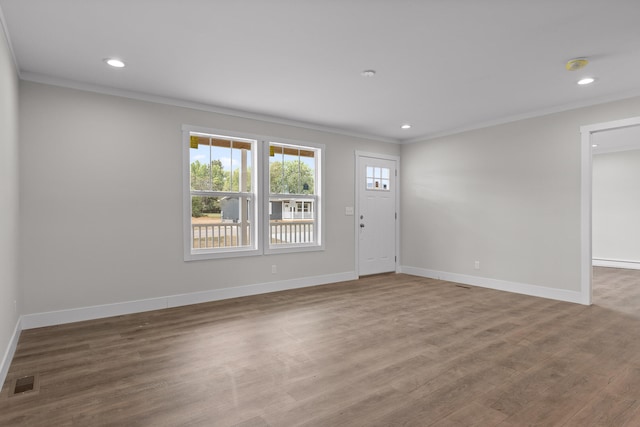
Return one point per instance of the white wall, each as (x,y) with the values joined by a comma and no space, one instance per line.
(9,291)
(616,206)
(101,193)
(507,196)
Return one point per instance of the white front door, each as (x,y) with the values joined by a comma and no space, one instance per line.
(376,215)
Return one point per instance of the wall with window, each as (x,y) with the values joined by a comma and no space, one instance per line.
(9,291)
(507,196)
(102,202)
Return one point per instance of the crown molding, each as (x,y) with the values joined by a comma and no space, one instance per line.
(518,117)
(140,96)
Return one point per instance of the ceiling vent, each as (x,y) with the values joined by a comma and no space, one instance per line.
(576,64)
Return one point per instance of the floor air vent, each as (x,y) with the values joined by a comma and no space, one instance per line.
(24,385)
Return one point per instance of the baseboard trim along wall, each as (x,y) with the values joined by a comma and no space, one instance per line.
(11,350)
(500,285)
(37,320)
(632,265)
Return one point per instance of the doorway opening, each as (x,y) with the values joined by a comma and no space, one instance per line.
(589,136)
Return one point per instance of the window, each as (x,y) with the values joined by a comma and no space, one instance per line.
(224,202)
(377,178)
(294,202)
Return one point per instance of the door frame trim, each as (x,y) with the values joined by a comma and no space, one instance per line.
(357,155)
(586,177)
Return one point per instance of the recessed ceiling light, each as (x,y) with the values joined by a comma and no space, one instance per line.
(594,145)
(116,63)
(586,81)
(406,126)
(368,73)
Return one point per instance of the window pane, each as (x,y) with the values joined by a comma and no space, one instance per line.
(220,222)
(378,178)
(220,163)
(307,172)
(240,167)
(291,174)
(199,159)
(291,221)
(276,170)
(292,170)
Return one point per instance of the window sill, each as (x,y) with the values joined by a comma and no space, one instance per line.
(286,249)
(209,254)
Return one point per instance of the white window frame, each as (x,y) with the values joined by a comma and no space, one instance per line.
(317,198)
(260,194)
(255,248)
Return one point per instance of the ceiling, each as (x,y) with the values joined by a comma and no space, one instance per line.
(441,65)
(615,140)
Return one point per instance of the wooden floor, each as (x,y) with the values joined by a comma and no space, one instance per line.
(385,350)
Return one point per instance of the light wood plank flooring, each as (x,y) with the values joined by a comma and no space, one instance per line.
(382,351)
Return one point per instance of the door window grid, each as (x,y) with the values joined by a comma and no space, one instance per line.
(377,178)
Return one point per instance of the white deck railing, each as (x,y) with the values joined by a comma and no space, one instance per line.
(219,235)
(224,235)
(291,232)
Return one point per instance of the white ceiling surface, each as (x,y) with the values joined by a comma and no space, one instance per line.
(614,140)
(441,65)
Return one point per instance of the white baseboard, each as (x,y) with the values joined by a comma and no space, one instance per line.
(261,288)
(632,265)
(51,318)
(11,349)
(500,285)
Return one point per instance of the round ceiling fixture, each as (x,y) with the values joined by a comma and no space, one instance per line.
(586,81)
(406,126)
(114,62)
(576,64)
(368,73)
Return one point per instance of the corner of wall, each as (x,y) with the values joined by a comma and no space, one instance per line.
(499,285)
(9,194)
(10,351)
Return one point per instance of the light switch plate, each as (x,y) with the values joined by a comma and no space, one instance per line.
(348,210)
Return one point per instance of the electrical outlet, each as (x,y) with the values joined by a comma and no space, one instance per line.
(477,265)
(274,269)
